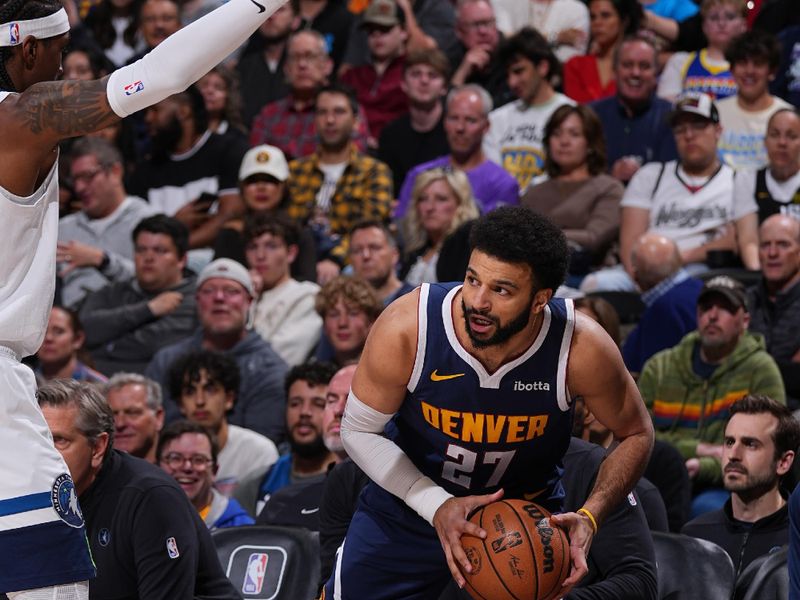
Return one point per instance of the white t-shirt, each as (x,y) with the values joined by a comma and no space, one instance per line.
(688,218)
(742,143)
(549,18)
(244,452)
(326,191)
(781,191)
(515,137)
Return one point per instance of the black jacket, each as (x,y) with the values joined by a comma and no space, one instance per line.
(147,540)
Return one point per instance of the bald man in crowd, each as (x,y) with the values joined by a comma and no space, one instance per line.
(669,294)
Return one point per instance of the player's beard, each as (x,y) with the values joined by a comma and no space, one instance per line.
(165,140)
(502,333)
(753,486)
(313,449)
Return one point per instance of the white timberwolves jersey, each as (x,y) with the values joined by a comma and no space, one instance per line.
(28,264)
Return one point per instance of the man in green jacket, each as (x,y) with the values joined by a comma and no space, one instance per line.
(689,388)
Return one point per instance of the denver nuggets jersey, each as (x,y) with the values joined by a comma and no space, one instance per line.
(473,432)
(699,76)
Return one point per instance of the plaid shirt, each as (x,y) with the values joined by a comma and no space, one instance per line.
(364,191)
(293,131)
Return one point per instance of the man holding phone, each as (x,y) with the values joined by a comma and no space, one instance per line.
(192,173)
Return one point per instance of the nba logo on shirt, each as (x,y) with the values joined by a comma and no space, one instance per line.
(13,33)
(133,88)
(631,499)
(172,548)
(254,576)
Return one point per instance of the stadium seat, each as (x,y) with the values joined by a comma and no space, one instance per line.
(692,568)
(267,562)
(629,305)
(771,581)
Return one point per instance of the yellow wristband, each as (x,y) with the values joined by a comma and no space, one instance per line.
(590,516)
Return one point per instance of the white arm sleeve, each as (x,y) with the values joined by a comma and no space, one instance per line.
(384,461)
(187,55)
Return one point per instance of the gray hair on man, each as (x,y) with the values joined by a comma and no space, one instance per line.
(486,98)
(120,380)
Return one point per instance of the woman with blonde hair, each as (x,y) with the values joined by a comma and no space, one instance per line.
(441,201)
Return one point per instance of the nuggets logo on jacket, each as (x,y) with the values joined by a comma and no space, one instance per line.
(134,88)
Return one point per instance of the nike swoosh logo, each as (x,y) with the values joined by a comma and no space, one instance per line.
(308,511)
(261,8)
(436,377)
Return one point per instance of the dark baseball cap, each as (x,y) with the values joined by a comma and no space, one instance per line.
(727,287)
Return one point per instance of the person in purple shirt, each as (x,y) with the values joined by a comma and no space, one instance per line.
(466,122)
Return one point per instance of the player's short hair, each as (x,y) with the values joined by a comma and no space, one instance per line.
(178,428)
(592,131)
(217,367)
(787,434)
(531,45)
(313,373)
(153,390)
(169,226)
(354,291)
(94,413)
(755,45)
(277,225)
(435,59)
(517,235)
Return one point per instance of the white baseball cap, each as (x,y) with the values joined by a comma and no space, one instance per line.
(225,268)
(264,160)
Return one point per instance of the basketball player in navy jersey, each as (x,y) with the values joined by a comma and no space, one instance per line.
(472,385)
(43,550)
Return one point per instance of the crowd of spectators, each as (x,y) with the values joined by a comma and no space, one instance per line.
(223,255)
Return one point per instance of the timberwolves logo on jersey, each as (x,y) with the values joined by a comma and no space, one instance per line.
(65,501)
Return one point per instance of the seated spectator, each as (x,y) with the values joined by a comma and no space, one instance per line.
(787,80)
(516,130)
(466,124)
(635,119)
(419,135)
(348,307)
(690,201)
(753,57)
(114,26)
(158,19)
(378,82)
(375,257)
(707,71)
(591,77)
(475,58)
(669,295)
(578,196)
(129,321)
(129,507)
(207,385)
(775,301)
(289,123)
(262,65)
(61,355)
(300,504)
(690,388)
(564,23)
(188,452)
(94,244)
(220,90)
(441,201)
(332,19)
(337,185)
(760,444)
(138,411)
(191,172)
(262,185)
(308,458)
(224,294)
(776,187)
(283,311)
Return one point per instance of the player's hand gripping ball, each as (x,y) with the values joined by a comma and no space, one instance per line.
(522,558)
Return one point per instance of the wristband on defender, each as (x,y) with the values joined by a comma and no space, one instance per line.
(585,511)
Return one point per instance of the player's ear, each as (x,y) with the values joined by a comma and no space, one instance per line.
(541,298)
(99,450)
(29,51)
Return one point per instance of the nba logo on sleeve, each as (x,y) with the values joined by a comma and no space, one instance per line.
(134,88)
(254,576)
(172,548)
(13,33)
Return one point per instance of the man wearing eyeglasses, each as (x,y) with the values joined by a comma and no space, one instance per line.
(224,294)
(94,244)
(689,200)
(128,321)
(146,539)
(188,453)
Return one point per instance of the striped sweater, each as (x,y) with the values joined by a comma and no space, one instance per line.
(687,409)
